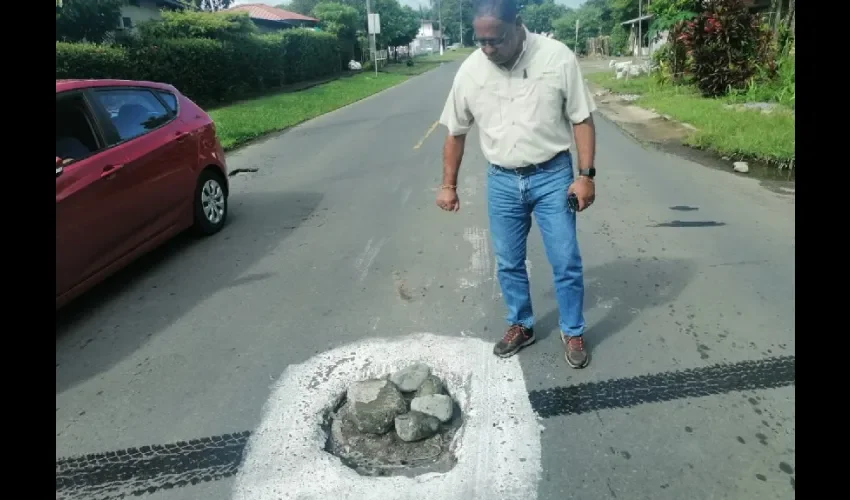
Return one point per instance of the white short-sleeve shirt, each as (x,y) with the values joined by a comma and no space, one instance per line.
(524,114)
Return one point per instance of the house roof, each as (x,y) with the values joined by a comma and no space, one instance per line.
(269,13)
(641,18)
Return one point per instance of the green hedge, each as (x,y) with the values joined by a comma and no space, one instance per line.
(208,71)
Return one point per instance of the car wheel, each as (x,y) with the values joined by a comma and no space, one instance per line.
(210,203)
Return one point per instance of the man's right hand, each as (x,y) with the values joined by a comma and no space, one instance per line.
(447,199)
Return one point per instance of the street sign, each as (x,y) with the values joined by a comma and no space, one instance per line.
(374,24)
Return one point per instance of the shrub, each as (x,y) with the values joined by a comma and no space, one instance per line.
(725,45)
(309,54)
(206,70)
(619,40)
(89,60)
(189,24)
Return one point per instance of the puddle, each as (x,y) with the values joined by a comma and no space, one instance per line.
(684,208)
(775,177)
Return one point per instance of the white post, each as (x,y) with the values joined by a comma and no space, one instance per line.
(370,33)
(460,33)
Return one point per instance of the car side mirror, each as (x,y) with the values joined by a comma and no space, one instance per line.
(60,166)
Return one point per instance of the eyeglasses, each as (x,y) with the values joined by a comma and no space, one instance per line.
(493,42)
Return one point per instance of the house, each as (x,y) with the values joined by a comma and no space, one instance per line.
(640,26)
(268,18)
(427,39)
(134,12)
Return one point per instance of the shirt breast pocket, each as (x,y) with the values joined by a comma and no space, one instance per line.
(543,97)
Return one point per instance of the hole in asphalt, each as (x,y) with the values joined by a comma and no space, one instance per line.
(399,425)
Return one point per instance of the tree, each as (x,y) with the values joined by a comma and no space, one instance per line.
(538,18)
(86,20)
(303,7)
(339,20)
(667,13)
(212,5)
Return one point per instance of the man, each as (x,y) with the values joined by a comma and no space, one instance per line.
(525,91)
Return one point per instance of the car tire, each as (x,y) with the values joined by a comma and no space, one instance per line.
(210,203)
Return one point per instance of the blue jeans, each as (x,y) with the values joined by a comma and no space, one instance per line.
(513,196)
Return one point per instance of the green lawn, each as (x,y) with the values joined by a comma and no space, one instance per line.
(737,133)
(244,121)
(241,122)
(418,67)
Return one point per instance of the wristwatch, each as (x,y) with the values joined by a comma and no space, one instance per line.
(588,172)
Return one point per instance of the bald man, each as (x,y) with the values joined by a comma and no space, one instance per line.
(528,97)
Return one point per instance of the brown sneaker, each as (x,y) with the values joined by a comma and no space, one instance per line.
(515,339)
(574,351)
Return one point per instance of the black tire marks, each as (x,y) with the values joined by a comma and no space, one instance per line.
(137,471)
(766,373)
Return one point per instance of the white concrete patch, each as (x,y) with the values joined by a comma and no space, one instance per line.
(498,448)
(367,257)
(405,196)
(479,262)
(496,291)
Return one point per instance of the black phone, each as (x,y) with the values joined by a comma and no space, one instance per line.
(572,202)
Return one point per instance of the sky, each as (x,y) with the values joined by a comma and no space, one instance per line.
(412,3)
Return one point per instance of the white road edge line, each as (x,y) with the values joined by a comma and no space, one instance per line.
(498,448)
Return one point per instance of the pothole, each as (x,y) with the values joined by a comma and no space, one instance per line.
(402,424)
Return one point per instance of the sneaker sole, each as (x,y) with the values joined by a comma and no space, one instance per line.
(518,348)
(567,358)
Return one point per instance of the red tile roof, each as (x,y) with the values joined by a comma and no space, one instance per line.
(269,13)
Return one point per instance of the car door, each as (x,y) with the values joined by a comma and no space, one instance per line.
(85,230)
(157,172)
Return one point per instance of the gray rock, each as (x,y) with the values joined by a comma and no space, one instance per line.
(436,405)
(415,426)
(741,166)
(387,454)
(409,379)
(432,385)
(374,404)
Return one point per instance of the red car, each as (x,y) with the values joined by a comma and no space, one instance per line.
(136,164)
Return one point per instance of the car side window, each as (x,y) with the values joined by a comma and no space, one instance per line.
(169,99)
(76,136)
(133,112)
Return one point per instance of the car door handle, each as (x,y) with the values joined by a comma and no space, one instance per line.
(181,136)
(110,169)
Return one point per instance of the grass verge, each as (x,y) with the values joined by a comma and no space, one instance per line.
(244,121)
(739,134)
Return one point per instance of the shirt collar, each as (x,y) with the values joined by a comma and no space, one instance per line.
(525,45)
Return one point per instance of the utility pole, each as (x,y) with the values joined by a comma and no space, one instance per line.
(440,22)
(640,28)
(460,2)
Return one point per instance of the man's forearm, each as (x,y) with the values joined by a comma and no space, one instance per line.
(452,156)
(585,138)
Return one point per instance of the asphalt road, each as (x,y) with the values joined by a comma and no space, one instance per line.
(336,239)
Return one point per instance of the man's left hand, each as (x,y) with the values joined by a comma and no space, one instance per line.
(585,191)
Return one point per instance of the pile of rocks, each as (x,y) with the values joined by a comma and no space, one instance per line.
(403,421)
